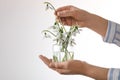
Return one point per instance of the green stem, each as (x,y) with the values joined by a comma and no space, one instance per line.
(58,24)
(49,32)
(48,3)
(67,39)
(59,21)
(63,28)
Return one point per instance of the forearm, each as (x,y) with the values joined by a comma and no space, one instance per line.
(97,24)
(98,73)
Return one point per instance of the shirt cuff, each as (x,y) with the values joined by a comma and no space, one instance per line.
(114,74)
(110,32)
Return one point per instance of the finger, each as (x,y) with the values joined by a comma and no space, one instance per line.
(65,13)
(69,21)
(63,20)
(57,65)
(45,60)
(64,8)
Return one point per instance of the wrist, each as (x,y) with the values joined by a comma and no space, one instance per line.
(86,68)
(97,24)
(95,72)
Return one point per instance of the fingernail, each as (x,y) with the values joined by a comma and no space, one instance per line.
(40,56)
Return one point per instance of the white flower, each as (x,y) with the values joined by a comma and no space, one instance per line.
(46,35)
(76,32)
(60,38)
(72,42)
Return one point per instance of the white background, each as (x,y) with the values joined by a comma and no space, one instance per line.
(21,41)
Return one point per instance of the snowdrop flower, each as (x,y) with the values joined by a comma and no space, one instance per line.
(46,35)
(72,42)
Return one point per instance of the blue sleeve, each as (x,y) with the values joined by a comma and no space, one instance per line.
(113,36)
(114,74)
(113,33)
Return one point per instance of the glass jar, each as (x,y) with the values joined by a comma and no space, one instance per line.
(61,55)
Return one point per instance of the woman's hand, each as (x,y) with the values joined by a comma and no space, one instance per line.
(70,15)
(76,67)
(68,67)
